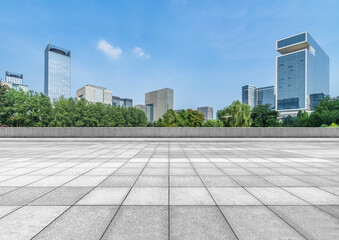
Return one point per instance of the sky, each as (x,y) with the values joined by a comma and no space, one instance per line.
(205,50)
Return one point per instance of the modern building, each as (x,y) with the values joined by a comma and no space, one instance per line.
(301,70)
(266,95)
(95,94)
(315,100)
(248,95)
(159,102)
(207,111)
(123,102)
(15,81)
(16,78)
(57,72)
(254,96)
(145,109)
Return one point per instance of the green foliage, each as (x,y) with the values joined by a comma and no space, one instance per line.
(326,113)
(236,115)
(30,109)
(182,118)
(169,119)
(333,125)
(213,123)
(264,116)
(189,118)
(302,119)
(195,118)
(323,125)
(288,122)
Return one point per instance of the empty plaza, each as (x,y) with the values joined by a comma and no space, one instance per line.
(169,189)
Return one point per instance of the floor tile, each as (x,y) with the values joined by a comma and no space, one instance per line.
(26,222)
(232,196)
(190,196)
(104,196)
(139,222)
(147,196)
(198,222)
(258,222)
(309,221)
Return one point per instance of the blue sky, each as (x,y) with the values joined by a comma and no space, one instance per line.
(204,49)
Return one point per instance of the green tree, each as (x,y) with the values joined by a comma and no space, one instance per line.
(288,122)
(195,118)
(169,119)
(236,115)
(302,119)
(213,123)
(182,117)
(264,116)
(326,113)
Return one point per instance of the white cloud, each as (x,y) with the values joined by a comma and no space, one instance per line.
(111,51)
(139,52)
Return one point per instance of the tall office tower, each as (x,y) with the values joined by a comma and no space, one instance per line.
(95,94)
(123,102)
(207,111)
(265,95)
(254,96)
(248,95)
(57,72)
(302,70)
(16,78)
(145,109)
(159,102)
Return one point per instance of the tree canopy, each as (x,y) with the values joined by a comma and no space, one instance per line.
(31,109)
(264,116)
(236,115)
(189,118)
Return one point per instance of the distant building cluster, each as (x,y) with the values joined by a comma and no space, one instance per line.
(302,77)
(302,81)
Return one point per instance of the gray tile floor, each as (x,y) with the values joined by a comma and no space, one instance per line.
(232,189)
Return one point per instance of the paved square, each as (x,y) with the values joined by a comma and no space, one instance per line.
(169,189)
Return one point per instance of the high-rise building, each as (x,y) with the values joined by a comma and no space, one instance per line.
(123,102)
(248,95)
(159,102)
(207,111)
(145,109)
(95,94)
(15,81)
(266,95)
(16,78)
(57,72)
(302,70)
(254,96)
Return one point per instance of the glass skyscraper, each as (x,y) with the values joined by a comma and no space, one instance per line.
(302,70)
(57,72)
(254,96)
(248,95)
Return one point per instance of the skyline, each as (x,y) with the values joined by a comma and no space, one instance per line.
(193,54)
